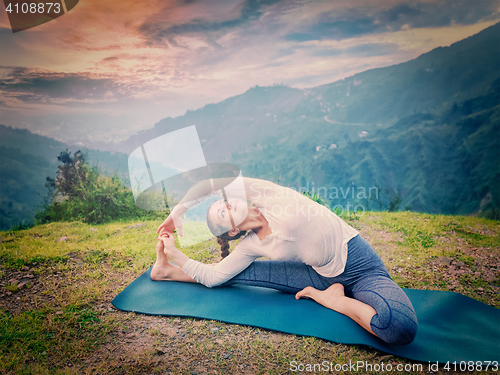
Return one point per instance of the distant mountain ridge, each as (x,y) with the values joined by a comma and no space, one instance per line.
(455,73)
(446,162)
(424,132)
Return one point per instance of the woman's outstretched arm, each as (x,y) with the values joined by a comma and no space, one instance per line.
(209,275)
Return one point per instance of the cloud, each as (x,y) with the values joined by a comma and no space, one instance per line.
(33,85)
(273,65)
(353,23)
(111,58)
(283,52)
(156,32)
(438,14)
(361,50)
(326,52)
(337,30)
(372,49)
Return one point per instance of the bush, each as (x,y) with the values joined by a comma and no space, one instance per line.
(79,192)
(21,226)
(492,214)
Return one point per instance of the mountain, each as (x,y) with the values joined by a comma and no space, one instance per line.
(427,129)
(443,162)
(443,75)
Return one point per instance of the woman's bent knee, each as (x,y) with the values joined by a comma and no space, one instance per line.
(395,322)
(400,332)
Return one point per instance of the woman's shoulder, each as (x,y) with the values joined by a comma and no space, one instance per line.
(256,183)
(266,189)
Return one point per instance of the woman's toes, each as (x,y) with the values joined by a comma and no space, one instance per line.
(331,297)
(307,292)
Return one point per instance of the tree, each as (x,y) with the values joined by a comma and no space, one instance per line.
(395,202)
(72,174)
(79,192)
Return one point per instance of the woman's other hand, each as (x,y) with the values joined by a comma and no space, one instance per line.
(172,222)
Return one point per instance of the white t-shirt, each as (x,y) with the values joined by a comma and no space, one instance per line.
(302,230)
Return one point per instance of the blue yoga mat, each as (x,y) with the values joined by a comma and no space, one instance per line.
(451,327)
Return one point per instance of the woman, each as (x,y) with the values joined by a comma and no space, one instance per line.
(317,255)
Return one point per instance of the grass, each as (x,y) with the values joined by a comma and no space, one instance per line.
(423,237)
(61,321)
(49,338)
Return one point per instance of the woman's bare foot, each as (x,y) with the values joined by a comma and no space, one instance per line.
(334,298)
(331,297)
(163,270)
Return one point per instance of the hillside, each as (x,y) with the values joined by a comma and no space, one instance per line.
(56,315)
(445,161)
(441,77)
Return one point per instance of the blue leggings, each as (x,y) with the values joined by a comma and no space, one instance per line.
(365,278)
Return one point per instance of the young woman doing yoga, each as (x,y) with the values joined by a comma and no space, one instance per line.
(315,255)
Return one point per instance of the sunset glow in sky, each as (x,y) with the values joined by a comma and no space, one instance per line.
(108,69)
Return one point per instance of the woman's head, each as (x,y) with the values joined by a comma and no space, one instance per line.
(222,217)
(219,221)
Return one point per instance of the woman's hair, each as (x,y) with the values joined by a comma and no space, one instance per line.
(224,238)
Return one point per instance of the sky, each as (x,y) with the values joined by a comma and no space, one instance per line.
(109,69)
